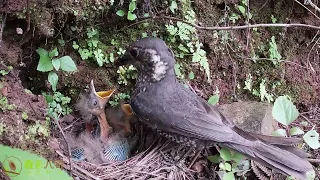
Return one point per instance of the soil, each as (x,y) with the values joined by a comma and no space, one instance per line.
(298,74)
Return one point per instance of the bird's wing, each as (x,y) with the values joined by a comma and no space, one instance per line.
(178,111)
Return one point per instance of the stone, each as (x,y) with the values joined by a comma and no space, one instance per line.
(251,116)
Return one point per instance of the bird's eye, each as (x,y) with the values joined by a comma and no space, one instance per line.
(134,53)
(94,102)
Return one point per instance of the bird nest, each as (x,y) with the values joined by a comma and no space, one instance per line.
(156,159)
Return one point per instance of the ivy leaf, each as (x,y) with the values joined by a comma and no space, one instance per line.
(312,139)
(225,154)
(296,131)
(53,80)
(132,6)
(131,16)
(120,13)
(280,132)
(67,64)
(44,64)
(213,100)
(284,111)
(56,64)
(53,53)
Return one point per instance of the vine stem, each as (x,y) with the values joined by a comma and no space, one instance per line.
(227,27)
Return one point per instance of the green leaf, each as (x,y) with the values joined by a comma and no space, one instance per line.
(225,154)
(228,176)
(215,158)
(173,6)
(132,6)
(56,64)
(131,16)
(284,111)
(213,100)
(75,45)
(191,75)
(312,139)
(120,13)
(242,10)
(67,64)
(44,64)
(227,166)
(28,165)
(53,53)
(296,131)
(280,132)
(53,80)
(237,157)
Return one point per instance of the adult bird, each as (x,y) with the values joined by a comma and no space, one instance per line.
(165,105)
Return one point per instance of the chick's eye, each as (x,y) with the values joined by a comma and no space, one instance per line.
(94,102)
(134,53)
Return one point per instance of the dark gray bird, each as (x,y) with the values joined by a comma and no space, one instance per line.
(165,105)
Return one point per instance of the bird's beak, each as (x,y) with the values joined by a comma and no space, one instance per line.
(126,109)
(103,96)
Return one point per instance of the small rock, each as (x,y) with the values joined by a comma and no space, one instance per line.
(253,117)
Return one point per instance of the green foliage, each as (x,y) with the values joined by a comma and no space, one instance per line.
(126,74)
(57,104)
(273,51)
(312,139)
(273,19)
(213,100)
(93,48)
(2,128)
(285,112)
(30,165)
(117,97)
(37,130)
(130,13)
(173,6)
(242,8)
(5,72)
(24,116)
(48,62)
(4,104)
(184,35)
(262,92)
(230,162)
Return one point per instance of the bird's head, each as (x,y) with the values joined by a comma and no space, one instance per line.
(151,56)
(94,102)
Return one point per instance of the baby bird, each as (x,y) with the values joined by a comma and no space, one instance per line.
(93,145)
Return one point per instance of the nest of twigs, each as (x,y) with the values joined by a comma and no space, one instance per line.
(151,159)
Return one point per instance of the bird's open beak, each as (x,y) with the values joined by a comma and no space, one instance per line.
(103,96)
(126,109)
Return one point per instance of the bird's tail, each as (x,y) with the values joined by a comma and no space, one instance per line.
(280,157)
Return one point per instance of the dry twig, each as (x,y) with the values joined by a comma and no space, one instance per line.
(64,137)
